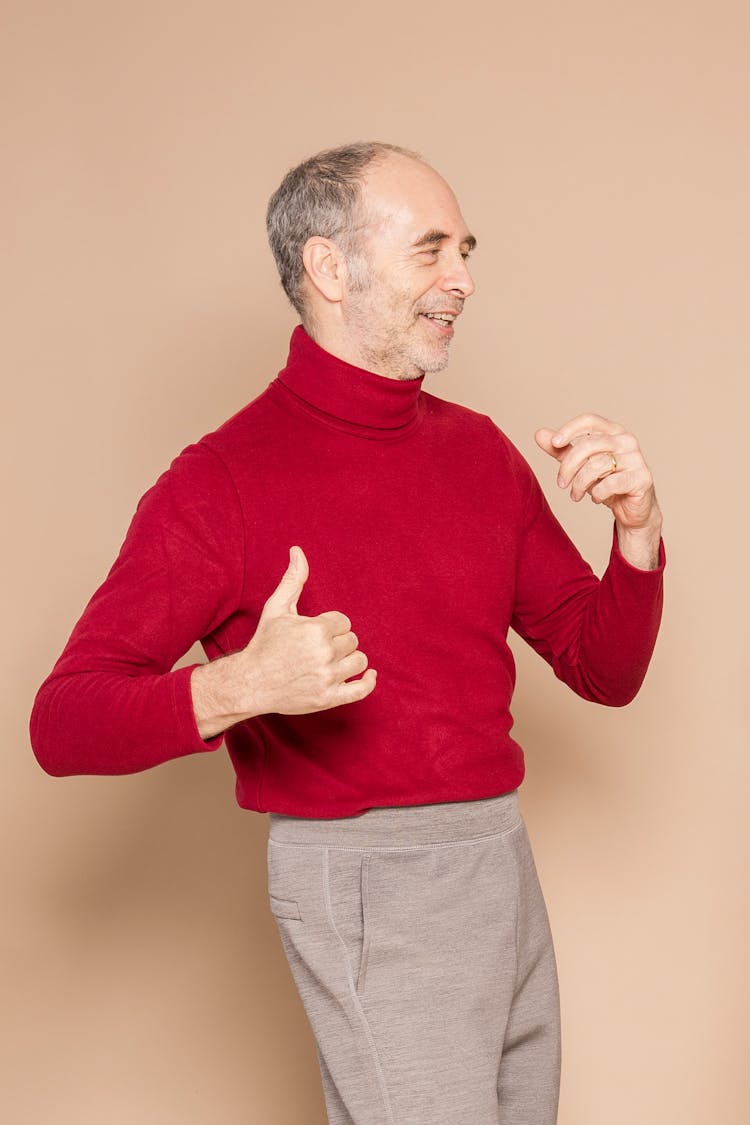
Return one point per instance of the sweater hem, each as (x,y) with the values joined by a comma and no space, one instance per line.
(320,812)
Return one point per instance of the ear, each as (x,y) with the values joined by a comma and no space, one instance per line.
(324,266)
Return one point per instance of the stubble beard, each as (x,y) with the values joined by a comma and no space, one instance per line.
(400,358)
(395,350)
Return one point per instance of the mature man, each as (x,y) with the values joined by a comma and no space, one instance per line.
(399,869)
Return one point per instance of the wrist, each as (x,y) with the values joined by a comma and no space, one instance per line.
(217,699)
(640,545)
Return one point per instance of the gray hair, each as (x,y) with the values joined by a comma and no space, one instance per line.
(321,197)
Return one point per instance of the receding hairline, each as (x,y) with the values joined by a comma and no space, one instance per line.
(433,236)
(327,196)
(380,159)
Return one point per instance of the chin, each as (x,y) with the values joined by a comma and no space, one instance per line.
(431,362)
(413,363)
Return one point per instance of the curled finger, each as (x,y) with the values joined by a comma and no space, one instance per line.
(353,690)
(593,470)
(336,623)
(353,665)
(586,448)
(344,644)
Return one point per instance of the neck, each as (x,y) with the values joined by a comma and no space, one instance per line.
(334,340)
(361,400)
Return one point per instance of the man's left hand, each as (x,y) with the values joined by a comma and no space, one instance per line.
(599,457)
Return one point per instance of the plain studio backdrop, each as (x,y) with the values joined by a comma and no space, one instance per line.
(600,153)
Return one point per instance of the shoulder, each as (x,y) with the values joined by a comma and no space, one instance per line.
(478,430)
(209,462)
(246,427)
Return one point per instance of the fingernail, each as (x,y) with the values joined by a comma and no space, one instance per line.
(558,440)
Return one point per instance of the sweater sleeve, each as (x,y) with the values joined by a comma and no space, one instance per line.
(597,634)
(112,703)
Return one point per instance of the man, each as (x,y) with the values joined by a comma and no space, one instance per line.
(399,869)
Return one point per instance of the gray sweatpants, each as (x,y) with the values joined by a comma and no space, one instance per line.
(419,942)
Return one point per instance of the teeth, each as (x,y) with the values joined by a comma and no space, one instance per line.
(449,317)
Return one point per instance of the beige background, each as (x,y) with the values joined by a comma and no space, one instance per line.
(600,152)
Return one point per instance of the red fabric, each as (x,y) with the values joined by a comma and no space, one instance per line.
(422,523)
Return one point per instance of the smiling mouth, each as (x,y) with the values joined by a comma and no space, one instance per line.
(441,322)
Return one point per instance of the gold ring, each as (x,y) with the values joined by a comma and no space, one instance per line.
(614,462)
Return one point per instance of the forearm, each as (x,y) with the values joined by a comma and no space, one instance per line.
(640,546)
(114,702)
(608,660)
(108,722)
(597,635)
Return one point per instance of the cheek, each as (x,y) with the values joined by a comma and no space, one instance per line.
(420,290)
(403,295)
(403,301)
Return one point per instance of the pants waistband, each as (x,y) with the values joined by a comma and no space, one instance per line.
(403,826)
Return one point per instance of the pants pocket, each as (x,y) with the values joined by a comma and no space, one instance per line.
(285,909)
(349,903)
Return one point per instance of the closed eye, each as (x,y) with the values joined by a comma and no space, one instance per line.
(434,251)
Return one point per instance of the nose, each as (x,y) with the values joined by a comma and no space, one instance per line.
(457,278)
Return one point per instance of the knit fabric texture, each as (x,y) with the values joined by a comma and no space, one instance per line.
(421,522)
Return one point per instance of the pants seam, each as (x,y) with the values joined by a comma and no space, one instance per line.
(354,994)
(395,847)
(517,881)
(366,923)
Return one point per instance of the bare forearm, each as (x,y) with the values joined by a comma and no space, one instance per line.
(640,546)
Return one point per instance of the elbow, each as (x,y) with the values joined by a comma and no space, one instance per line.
(610,691)
(48,738)
(620,698)
(621,691)
(51,766)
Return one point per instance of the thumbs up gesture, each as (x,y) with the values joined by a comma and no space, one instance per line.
(293,665)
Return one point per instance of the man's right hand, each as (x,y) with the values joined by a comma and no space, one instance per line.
(293,665)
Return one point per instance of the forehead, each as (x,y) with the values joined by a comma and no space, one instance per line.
(403,198)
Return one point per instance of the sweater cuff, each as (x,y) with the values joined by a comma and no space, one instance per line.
(189,739)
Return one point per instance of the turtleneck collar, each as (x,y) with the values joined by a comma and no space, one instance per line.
(363,401)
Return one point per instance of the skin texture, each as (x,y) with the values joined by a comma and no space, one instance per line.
(293,665)
(417,245)
(599,458)
(381,327)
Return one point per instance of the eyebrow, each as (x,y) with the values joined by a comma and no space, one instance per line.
(434,236)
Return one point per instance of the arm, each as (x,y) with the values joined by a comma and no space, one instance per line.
(112,704)
(598,635)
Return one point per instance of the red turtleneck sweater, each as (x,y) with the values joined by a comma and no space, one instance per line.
(422,523)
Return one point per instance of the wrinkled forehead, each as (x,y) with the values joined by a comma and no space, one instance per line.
(402,198)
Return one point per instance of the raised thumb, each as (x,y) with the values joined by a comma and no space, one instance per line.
(285,596)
